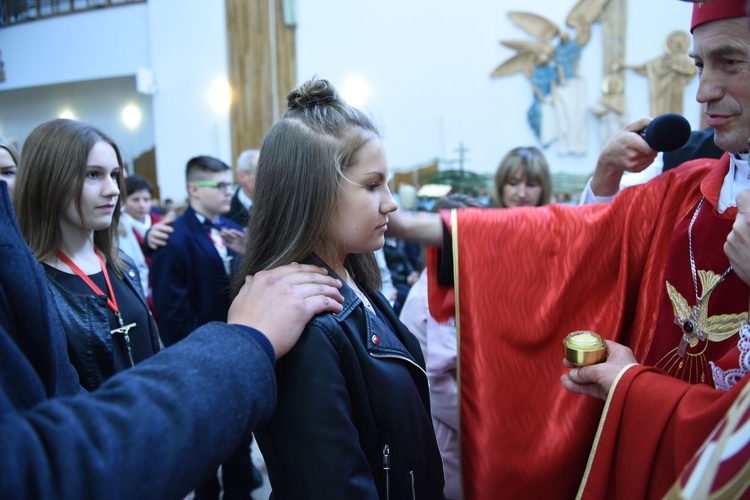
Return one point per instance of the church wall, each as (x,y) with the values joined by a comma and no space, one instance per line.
(427,66)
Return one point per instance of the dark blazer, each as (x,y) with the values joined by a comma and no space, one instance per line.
(352,395)
(189,284)
(237,211)
(700,145)
(153,431)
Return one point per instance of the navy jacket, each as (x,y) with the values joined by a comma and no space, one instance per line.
(237,211)
(153,431)
(189,284)
(353,397)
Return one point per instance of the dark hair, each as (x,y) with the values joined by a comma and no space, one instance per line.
(303,159)
(531,163)
(52,171)
(135,183)
(198,167)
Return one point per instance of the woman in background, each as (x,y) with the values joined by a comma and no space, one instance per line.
(352,418)
(439,346)
(67,201)
(8,163)
(523,179)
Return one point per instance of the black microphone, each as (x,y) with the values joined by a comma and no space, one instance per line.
(666,132)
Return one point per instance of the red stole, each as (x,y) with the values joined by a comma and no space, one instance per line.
(524,279)
(729,297)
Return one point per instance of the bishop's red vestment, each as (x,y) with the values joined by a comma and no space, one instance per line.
(525,278)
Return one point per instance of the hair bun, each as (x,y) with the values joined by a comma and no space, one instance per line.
(315,92)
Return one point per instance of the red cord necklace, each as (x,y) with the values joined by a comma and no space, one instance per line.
(111,299)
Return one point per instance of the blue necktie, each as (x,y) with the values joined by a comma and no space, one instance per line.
(220,224)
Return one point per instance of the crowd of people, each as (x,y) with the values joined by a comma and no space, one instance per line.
(139,353)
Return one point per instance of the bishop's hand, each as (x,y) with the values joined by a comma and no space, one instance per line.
(737,246)
(596,380)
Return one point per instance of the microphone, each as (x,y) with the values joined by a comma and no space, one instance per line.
(666,132)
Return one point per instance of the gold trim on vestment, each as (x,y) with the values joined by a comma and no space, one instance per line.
(454,246)
(599,430)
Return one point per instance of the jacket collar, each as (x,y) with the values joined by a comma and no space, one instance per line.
(351,300)
(380,339)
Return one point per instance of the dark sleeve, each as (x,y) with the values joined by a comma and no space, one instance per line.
(170,273)
(147,250)
(700,145)
(445,259)
(153,431)
(311,445)
(260,339)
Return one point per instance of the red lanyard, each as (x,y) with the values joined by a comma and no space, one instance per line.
(111,299)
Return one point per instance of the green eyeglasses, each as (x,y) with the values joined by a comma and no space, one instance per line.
(221,186)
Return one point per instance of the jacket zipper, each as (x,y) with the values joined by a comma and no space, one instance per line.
(386,448)
(413,487)
(404,358)
(387,469)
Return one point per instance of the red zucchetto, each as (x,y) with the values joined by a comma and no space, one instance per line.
(713,10)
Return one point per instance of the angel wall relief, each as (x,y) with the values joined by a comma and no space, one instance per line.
(558,110)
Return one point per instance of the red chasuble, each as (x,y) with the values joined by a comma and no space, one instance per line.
(525,278)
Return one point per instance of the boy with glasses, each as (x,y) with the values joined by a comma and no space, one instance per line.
(191,281)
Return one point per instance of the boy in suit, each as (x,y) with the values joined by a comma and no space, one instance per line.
(191,283)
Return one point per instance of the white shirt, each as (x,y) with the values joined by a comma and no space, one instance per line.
(128,243)
(218,242)
(736,180)
(141,227)
(244,199)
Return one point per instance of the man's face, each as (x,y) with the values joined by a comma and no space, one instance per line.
(246,181)
(722,56)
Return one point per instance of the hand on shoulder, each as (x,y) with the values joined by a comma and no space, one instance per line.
(281,301)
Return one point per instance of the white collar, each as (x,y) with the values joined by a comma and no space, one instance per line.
(736,180)
(202,218)
(246,201)
(141,227)
(739,162)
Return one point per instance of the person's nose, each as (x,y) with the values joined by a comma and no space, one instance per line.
(389,204)
(111,188)
(710,88)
